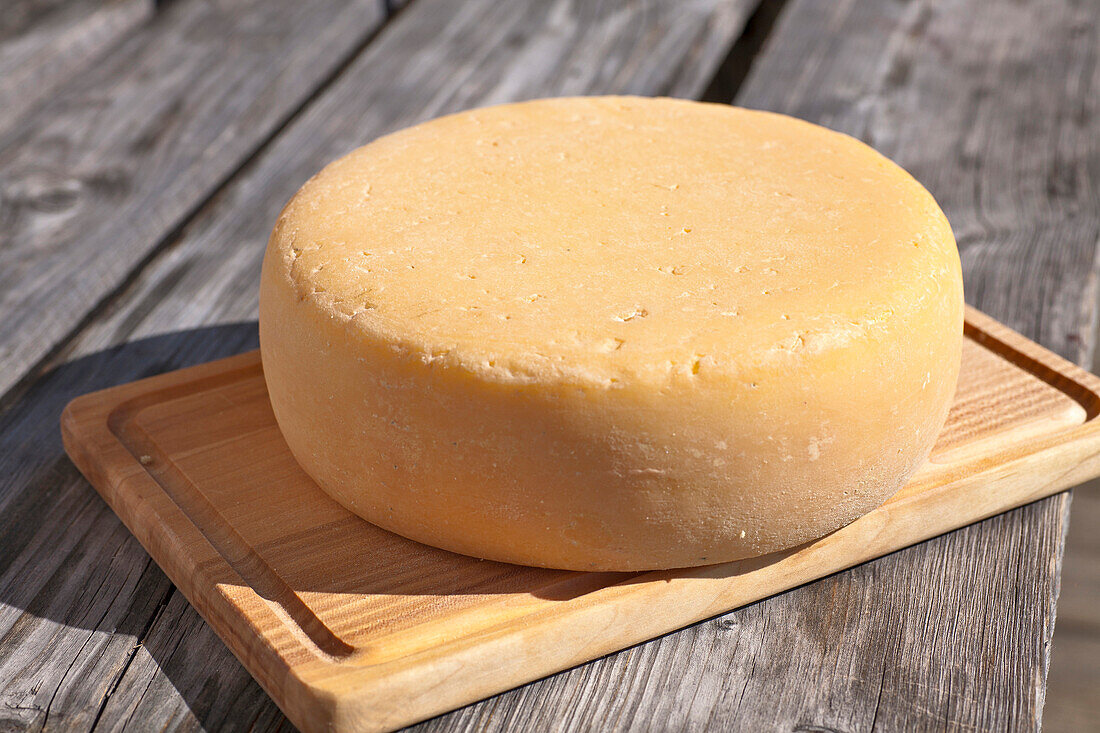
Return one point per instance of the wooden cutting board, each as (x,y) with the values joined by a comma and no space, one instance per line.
(349,627)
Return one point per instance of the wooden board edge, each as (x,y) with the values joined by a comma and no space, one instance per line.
(1065,376)
(179,547)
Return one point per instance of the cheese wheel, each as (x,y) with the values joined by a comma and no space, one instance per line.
(611,333)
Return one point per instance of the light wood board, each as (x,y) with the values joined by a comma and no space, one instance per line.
(349,627)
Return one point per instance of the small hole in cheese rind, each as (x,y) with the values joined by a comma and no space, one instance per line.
(636,312)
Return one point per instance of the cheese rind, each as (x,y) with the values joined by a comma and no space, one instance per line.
(611,333)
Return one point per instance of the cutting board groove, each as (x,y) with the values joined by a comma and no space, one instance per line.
(349,627)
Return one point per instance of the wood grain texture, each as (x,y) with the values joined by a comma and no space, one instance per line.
(78,592)
(186,306)
(99,177)
(44,42)
(1072,703)
(352,628)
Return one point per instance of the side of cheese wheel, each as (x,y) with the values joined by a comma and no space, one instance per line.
(611,333)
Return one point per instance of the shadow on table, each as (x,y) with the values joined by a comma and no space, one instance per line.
(68,566)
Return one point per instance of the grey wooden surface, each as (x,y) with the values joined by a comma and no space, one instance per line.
(116,161)
(136,193)
(1072,700)
(43,43)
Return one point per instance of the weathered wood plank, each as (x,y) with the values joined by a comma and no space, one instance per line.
(97,178)
(44,42)
(178,642)
(1072,703)
(435,57)
(73,599)
(1079,601)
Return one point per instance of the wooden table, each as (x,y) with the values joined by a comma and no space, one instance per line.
(145,150)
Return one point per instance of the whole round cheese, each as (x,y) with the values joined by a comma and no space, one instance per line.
(611,333)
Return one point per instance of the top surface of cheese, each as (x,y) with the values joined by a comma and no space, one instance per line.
(613,239)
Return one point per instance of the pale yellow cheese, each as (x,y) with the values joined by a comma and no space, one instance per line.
(611,333)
